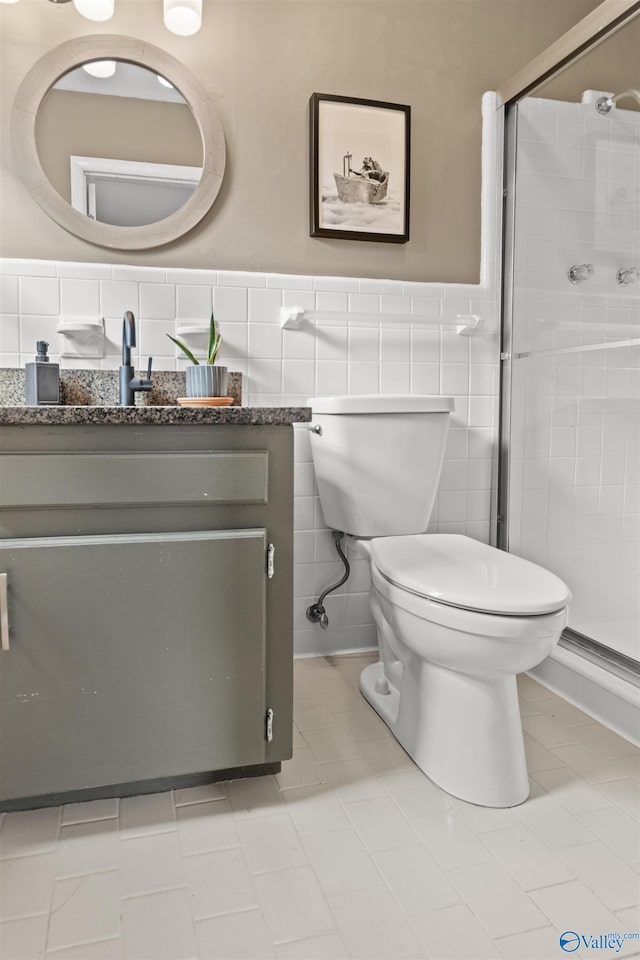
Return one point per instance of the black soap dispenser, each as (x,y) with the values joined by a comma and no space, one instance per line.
(42,379)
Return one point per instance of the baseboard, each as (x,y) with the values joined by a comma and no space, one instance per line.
(605,697)
(342,652)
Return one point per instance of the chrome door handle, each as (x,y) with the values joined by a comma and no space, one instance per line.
(4,612)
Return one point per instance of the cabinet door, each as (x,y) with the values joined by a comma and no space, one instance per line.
(131,657)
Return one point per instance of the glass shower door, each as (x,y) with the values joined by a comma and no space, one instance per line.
(573,356)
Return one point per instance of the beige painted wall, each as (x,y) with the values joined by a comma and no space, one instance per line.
(262,59)
(613,65)
(125,128)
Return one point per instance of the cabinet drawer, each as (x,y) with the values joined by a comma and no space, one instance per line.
(121,479)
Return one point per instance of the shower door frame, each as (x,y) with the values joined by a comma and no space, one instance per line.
(601,23)
(608,17)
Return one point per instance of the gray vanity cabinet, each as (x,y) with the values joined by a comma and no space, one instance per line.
(148,642)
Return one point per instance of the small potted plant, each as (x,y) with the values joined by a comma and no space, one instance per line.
(205,379)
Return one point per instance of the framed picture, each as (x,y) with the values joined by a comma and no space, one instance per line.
(360,152)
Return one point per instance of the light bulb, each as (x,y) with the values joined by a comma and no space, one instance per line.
(100,68)
(183,17)
(95,9)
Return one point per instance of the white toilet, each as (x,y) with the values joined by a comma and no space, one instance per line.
(456,619)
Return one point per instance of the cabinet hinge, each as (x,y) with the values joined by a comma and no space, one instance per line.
(271,569)
(4,611)
(269,725)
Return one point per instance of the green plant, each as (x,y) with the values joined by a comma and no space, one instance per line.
(212,350)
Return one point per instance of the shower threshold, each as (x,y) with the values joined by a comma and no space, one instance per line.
(617,663)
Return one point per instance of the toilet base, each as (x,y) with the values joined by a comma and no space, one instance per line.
(464,732)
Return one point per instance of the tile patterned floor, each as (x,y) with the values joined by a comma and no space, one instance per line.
(349,852)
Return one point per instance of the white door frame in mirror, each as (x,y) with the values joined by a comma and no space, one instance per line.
(74,53)
(88,172)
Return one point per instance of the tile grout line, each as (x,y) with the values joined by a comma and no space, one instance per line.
(82,943)
(151,893)
(79,823)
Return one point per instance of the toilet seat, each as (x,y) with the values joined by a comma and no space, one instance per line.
(513,628)
(459,572)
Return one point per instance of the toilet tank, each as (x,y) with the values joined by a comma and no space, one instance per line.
(377,461)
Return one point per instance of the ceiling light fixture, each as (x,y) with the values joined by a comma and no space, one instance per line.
(100,68)
(98,10)
(183,17)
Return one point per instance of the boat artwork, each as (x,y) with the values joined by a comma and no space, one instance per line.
(367,185)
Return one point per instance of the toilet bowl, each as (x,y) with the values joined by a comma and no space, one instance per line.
(456,618)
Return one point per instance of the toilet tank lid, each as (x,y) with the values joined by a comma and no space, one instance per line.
(374,403)
(461,572)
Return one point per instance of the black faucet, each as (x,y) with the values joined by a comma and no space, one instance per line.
(129,383)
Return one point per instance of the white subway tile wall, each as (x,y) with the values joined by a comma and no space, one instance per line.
(326,356)
(403,340)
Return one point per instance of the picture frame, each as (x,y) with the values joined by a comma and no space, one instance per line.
(360,153)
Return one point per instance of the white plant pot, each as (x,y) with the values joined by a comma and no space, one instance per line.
(206,380)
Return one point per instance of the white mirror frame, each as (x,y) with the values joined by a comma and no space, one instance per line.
(74,53)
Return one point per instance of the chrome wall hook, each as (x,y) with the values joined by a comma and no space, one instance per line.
(628,275)
(580,272)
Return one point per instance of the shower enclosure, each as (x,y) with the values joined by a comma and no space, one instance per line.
(570,435)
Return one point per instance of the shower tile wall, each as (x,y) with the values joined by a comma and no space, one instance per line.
(415,349)
(574,494)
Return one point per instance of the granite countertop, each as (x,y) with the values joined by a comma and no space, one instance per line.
(169,415)
(90,397)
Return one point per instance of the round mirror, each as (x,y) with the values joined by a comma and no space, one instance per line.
(124,149)
(119,143)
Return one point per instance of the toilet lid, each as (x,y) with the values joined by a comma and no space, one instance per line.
(465,573)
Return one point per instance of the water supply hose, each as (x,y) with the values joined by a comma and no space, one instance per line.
(316,613)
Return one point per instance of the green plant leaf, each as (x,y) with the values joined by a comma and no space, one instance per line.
(215,341)
(213,353)
(185,349)
(212,340)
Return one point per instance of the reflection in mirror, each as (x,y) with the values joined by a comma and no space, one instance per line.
(120,145)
